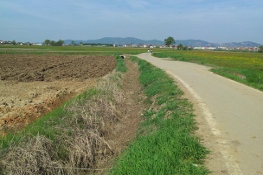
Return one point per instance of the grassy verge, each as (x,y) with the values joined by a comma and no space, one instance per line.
(165,143)
(120,64)
(246,68)
(70,139)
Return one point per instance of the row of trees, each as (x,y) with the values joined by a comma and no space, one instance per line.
(260,49)
(53,43)
(182,47)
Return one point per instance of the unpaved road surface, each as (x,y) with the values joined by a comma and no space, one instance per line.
(233,113)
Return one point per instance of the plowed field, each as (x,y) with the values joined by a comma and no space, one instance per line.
(31,85)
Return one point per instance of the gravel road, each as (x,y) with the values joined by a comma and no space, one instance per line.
(233,112)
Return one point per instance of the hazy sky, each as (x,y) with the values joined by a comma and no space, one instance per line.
(210,20)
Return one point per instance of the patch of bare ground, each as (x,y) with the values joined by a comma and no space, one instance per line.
(22,103)
(214,160)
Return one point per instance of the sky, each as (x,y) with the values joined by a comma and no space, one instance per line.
(213,21)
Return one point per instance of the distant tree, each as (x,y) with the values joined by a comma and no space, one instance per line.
(13,42)
(169,41)
(60,43)
(52,43)
(73,43)
(180,47)
(260,49)
(185,48)
(47,42)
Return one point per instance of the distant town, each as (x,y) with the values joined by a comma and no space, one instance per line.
(256,49)
(18,43)
(182,47)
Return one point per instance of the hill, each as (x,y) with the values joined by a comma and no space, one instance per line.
(118,41)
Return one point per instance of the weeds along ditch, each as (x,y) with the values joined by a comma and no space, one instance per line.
(244,67)
(165,143)
(69,140)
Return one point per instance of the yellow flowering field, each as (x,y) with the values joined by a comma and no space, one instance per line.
(245,67)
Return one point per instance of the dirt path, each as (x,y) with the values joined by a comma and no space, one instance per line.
(230,116)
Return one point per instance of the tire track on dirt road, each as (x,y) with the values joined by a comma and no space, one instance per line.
(233,111)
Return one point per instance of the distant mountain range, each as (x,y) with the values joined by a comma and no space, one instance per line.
(117,41)
(192,43)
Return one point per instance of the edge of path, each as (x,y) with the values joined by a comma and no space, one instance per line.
(219,161)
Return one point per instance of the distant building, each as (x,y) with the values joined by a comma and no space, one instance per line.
(199,48)
(222,48)
(204,48)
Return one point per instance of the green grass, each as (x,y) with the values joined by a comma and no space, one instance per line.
(121,67)
(165,143)
(68,50)
(244,67)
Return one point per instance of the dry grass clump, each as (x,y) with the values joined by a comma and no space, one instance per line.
(87,150)
(91,121)
(37,156)
(80,144)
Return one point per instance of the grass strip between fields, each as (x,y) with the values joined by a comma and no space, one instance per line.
(165,143)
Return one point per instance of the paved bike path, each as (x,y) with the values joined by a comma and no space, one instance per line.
(233,111)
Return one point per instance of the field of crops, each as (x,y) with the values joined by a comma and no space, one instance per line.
(245,67)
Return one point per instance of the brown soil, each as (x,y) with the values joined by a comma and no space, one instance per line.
(32,85)
(29,68)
